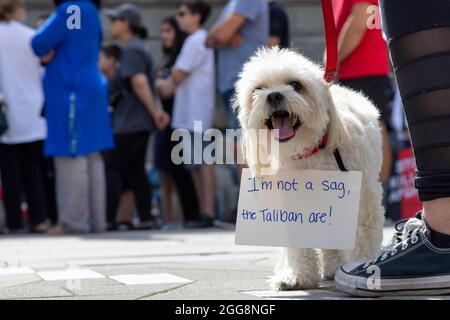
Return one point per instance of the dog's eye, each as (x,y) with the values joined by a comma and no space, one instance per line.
(257,89)
(296,85)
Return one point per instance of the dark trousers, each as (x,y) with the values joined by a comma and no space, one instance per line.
(128,160)
(21,170)
(185,187)
(48,168)
(179,173)
(377,89)
(418,33)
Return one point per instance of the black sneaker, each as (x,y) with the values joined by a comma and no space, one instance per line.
(413,267)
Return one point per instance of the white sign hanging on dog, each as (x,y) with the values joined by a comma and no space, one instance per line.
(299,209)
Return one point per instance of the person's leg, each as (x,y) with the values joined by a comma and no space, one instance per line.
(186,190)
(420,52)
(195,167)
(48,172)
(426,105)
(204,219)
(386,167)
(197,179)
(31,167)
(10,171)
(437,215)
(139,180)
(97,192)
(376,89)
(113,182)
(208,185)
(168,188)
(162,163)
(126,206)
(418,36)
(72,195)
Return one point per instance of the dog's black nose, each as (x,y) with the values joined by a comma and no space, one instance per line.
(274,98)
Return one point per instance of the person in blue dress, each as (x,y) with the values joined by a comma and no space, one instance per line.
(76,108)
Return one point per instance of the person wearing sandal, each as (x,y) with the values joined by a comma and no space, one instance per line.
(76,109)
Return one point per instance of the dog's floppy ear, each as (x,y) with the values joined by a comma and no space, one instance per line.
(337,130)
(243,126)
(254,153)
(237,108)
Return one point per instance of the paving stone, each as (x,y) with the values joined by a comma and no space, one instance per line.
(218,269)
(16,270)
(17,279)
(35,290)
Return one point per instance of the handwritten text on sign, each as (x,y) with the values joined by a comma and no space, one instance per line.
(299,209)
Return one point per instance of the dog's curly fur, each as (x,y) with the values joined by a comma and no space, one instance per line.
(351,122)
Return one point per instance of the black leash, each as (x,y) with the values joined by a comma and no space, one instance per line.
(337,156)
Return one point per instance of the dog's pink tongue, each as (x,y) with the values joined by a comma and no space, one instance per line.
(284,126)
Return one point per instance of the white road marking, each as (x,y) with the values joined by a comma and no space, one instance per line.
(157,278)
(69,274)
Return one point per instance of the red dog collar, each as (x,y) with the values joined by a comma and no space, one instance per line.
(314,150)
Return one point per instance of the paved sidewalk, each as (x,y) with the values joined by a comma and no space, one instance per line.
(143,265)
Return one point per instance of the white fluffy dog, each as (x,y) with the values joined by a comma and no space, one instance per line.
(281,89)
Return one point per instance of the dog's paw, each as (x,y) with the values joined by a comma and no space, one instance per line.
(289,281)
(330,271)
(328,275)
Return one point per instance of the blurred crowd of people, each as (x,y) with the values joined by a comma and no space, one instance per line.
(79,110)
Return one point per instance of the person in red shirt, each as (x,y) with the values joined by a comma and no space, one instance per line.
(363,63)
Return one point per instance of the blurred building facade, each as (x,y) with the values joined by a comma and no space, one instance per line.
(305,20)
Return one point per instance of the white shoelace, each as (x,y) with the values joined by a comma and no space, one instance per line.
(403,244)
(403,231)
